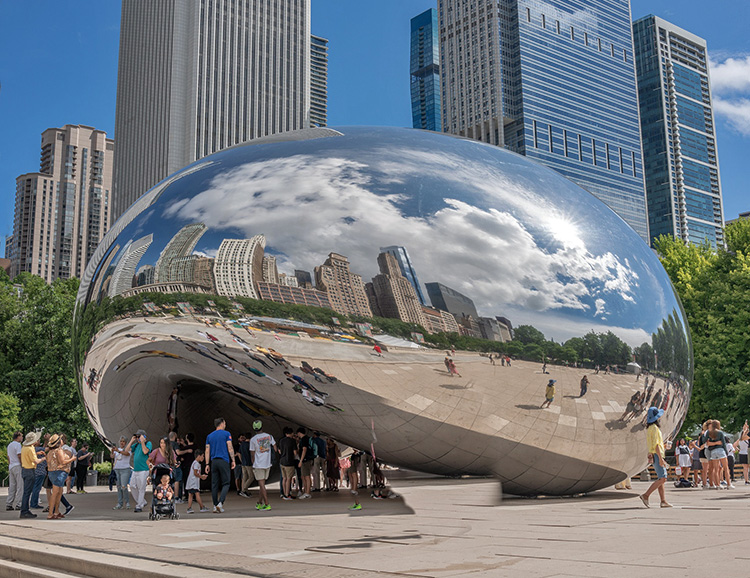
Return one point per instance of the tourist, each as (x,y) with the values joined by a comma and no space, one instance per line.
(15,480)
(333,473)
(59,461)
(83,461)
(730,459)
(140,448)
(683,459)
(186,453)
(452,368)
(262,446)
(378,350)
(121,467)
(176,468)
(319,462)
(41,474)
(742,444)
(707,483)
(163,455)
(699,476)
(28,471)
(549,393)
(193,485)
(68,465)
(70,482)
(656,455)
(305,462)
(353,475)
(247,466)
(219,462)
(584,386)
(287,448)
(716,449)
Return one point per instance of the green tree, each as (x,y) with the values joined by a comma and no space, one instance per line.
(9,424)
(527,334)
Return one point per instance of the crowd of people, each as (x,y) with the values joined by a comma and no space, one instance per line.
(307,463)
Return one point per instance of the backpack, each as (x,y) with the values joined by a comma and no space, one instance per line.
(683,483)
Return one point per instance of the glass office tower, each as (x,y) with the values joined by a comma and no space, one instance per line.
(554,81)
(407,269)
(425,71)
(679,138)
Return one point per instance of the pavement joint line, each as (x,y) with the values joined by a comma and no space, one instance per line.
(671,566)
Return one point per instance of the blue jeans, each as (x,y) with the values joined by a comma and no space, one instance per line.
(123,477)
(34,500)
(28,475)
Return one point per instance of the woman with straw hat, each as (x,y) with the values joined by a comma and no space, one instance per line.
(57,460)
(656,453)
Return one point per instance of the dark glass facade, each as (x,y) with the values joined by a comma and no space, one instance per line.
(679,142)
(425,71)
(407,269)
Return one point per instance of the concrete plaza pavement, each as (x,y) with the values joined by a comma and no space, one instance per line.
(440,528)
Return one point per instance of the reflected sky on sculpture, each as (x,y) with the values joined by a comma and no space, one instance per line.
(303,222)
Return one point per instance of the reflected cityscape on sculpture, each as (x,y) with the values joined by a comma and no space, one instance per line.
(259,281)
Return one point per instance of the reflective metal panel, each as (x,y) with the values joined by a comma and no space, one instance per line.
(311,279)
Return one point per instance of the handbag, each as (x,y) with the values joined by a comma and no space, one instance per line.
(345,463)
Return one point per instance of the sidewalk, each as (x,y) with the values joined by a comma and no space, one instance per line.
(441,528)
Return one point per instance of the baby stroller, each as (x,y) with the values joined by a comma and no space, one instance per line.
(162,507)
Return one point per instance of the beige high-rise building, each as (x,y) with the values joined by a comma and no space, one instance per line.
(197,76)
(270,271)
(394,296)
(239,266)
(63,211)
(346,291)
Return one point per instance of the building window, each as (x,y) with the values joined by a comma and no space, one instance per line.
(528,15)
(544,21)
(593,151)
(551,147)
(536,138)
(572,34)
(557,24)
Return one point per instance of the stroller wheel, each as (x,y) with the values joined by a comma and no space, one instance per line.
(158,517)
(150,516)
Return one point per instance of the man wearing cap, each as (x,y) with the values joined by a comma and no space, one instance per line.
(140,448)
(261,447)
(549,394)
(15,481)
(28,471)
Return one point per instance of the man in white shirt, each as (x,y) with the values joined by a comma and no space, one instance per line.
(261,446)
(15,482)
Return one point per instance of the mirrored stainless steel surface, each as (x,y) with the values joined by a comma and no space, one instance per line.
(246,285)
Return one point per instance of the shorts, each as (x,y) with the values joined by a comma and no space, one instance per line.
(57,478)
(549,399)
(193,491)
(306,468)
(743,458)
(261,473)
(697,465)
(177,474)
(718,454)
(288,472)
(661,472)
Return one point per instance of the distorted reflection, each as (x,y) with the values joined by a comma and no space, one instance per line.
(433,289)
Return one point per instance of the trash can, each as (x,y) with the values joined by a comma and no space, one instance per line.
(91,477)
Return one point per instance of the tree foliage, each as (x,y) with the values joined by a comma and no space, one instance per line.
(715,291)
(9,423)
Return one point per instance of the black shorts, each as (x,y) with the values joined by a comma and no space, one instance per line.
(192,491)
(743,458)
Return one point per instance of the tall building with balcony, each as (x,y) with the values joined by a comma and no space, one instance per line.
(554,81)
(392,295)
(345,290)
(424,70)
(63,211)
(195,77)
(180,246)
(318,81)
(124,275)
(407,268)
(683,187)
(270,270)
(239,266)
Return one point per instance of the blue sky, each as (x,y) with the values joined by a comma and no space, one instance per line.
(58,65)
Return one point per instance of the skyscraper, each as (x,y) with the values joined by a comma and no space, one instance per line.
(450,300)
(679,136)
(179,247)
(239,266)
(270,270)
(393,296)
(346,291)
(124,276)
(63,211)
(551,80)
(318,81)
(407,269)
(196,77)
(425,71)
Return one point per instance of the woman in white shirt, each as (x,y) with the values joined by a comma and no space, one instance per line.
(743,446)
(121,466)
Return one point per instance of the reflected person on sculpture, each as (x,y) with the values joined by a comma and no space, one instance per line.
(317,245)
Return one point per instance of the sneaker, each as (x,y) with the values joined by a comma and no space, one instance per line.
(265,507)
(82,492)
(644,499)
(243,494)
(377,497)
(11,508)
(220,506)
(747,483)
(355,507)
(137,510)
(732,486)
(216,510)
(287,498)
(117,507)
(69,509)
(127,506)
(304,497)
(258,506)
(28,515)
(190,511)
(179,501)
(666,505)
(354,492)
(203,510)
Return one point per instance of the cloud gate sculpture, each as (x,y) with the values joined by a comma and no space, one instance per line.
(367,282)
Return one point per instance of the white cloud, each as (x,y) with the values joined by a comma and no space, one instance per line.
(308,206)
(730,81)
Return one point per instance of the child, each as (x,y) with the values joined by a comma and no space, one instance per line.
(549,394)
(164,491)
(193,486)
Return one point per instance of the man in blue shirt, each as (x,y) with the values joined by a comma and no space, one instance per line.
(319,463)
(219,456)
